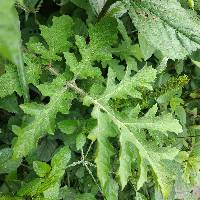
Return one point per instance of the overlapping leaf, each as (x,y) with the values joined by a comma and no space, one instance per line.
(44,116)
(159,159)
(48,185)
(105,151)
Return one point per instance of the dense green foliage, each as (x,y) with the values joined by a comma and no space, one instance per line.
(99,99)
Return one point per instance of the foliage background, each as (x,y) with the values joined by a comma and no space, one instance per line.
(99,99)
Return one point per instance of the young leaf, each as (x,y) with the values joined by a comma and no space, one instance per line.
(41,168)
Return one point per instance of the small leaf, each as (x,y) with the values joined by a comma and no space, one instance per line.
(80,141)
(68,126)
(60,160)
(41,168)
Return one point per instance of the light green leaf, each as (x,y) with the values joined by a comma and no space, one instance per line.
(126,159)
(97,5)
(80,141)
(161,123)
(197,63)
(57,35)
(146,48)
(131,129)
(9,82)
(129,85)
(166,26)
(157,158)
(10,41)
(192,164)
(68,126)
(41,168)
(102,132)
(143,173)
(102,36)
(44,116)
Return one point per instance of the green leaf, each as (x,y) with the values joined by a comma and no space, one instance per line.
(44,116)
(105,151)
(50,185)
(10,34)
(192,164)
(146,48)
(41,168)
(10,41)
(58,163)
(140,196)
(157,158)
(57,35)
(9,82)
(33,68)
(57,39)
(87,196)
(129,85)
(126,159)
(131,129)
(80,141)
(8,197)
(60,160)
(46,149)
(7,165)
(31,188)
(166,26)
(10,104)
(97,5)
(161,123)
(68,126)
(102,36)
